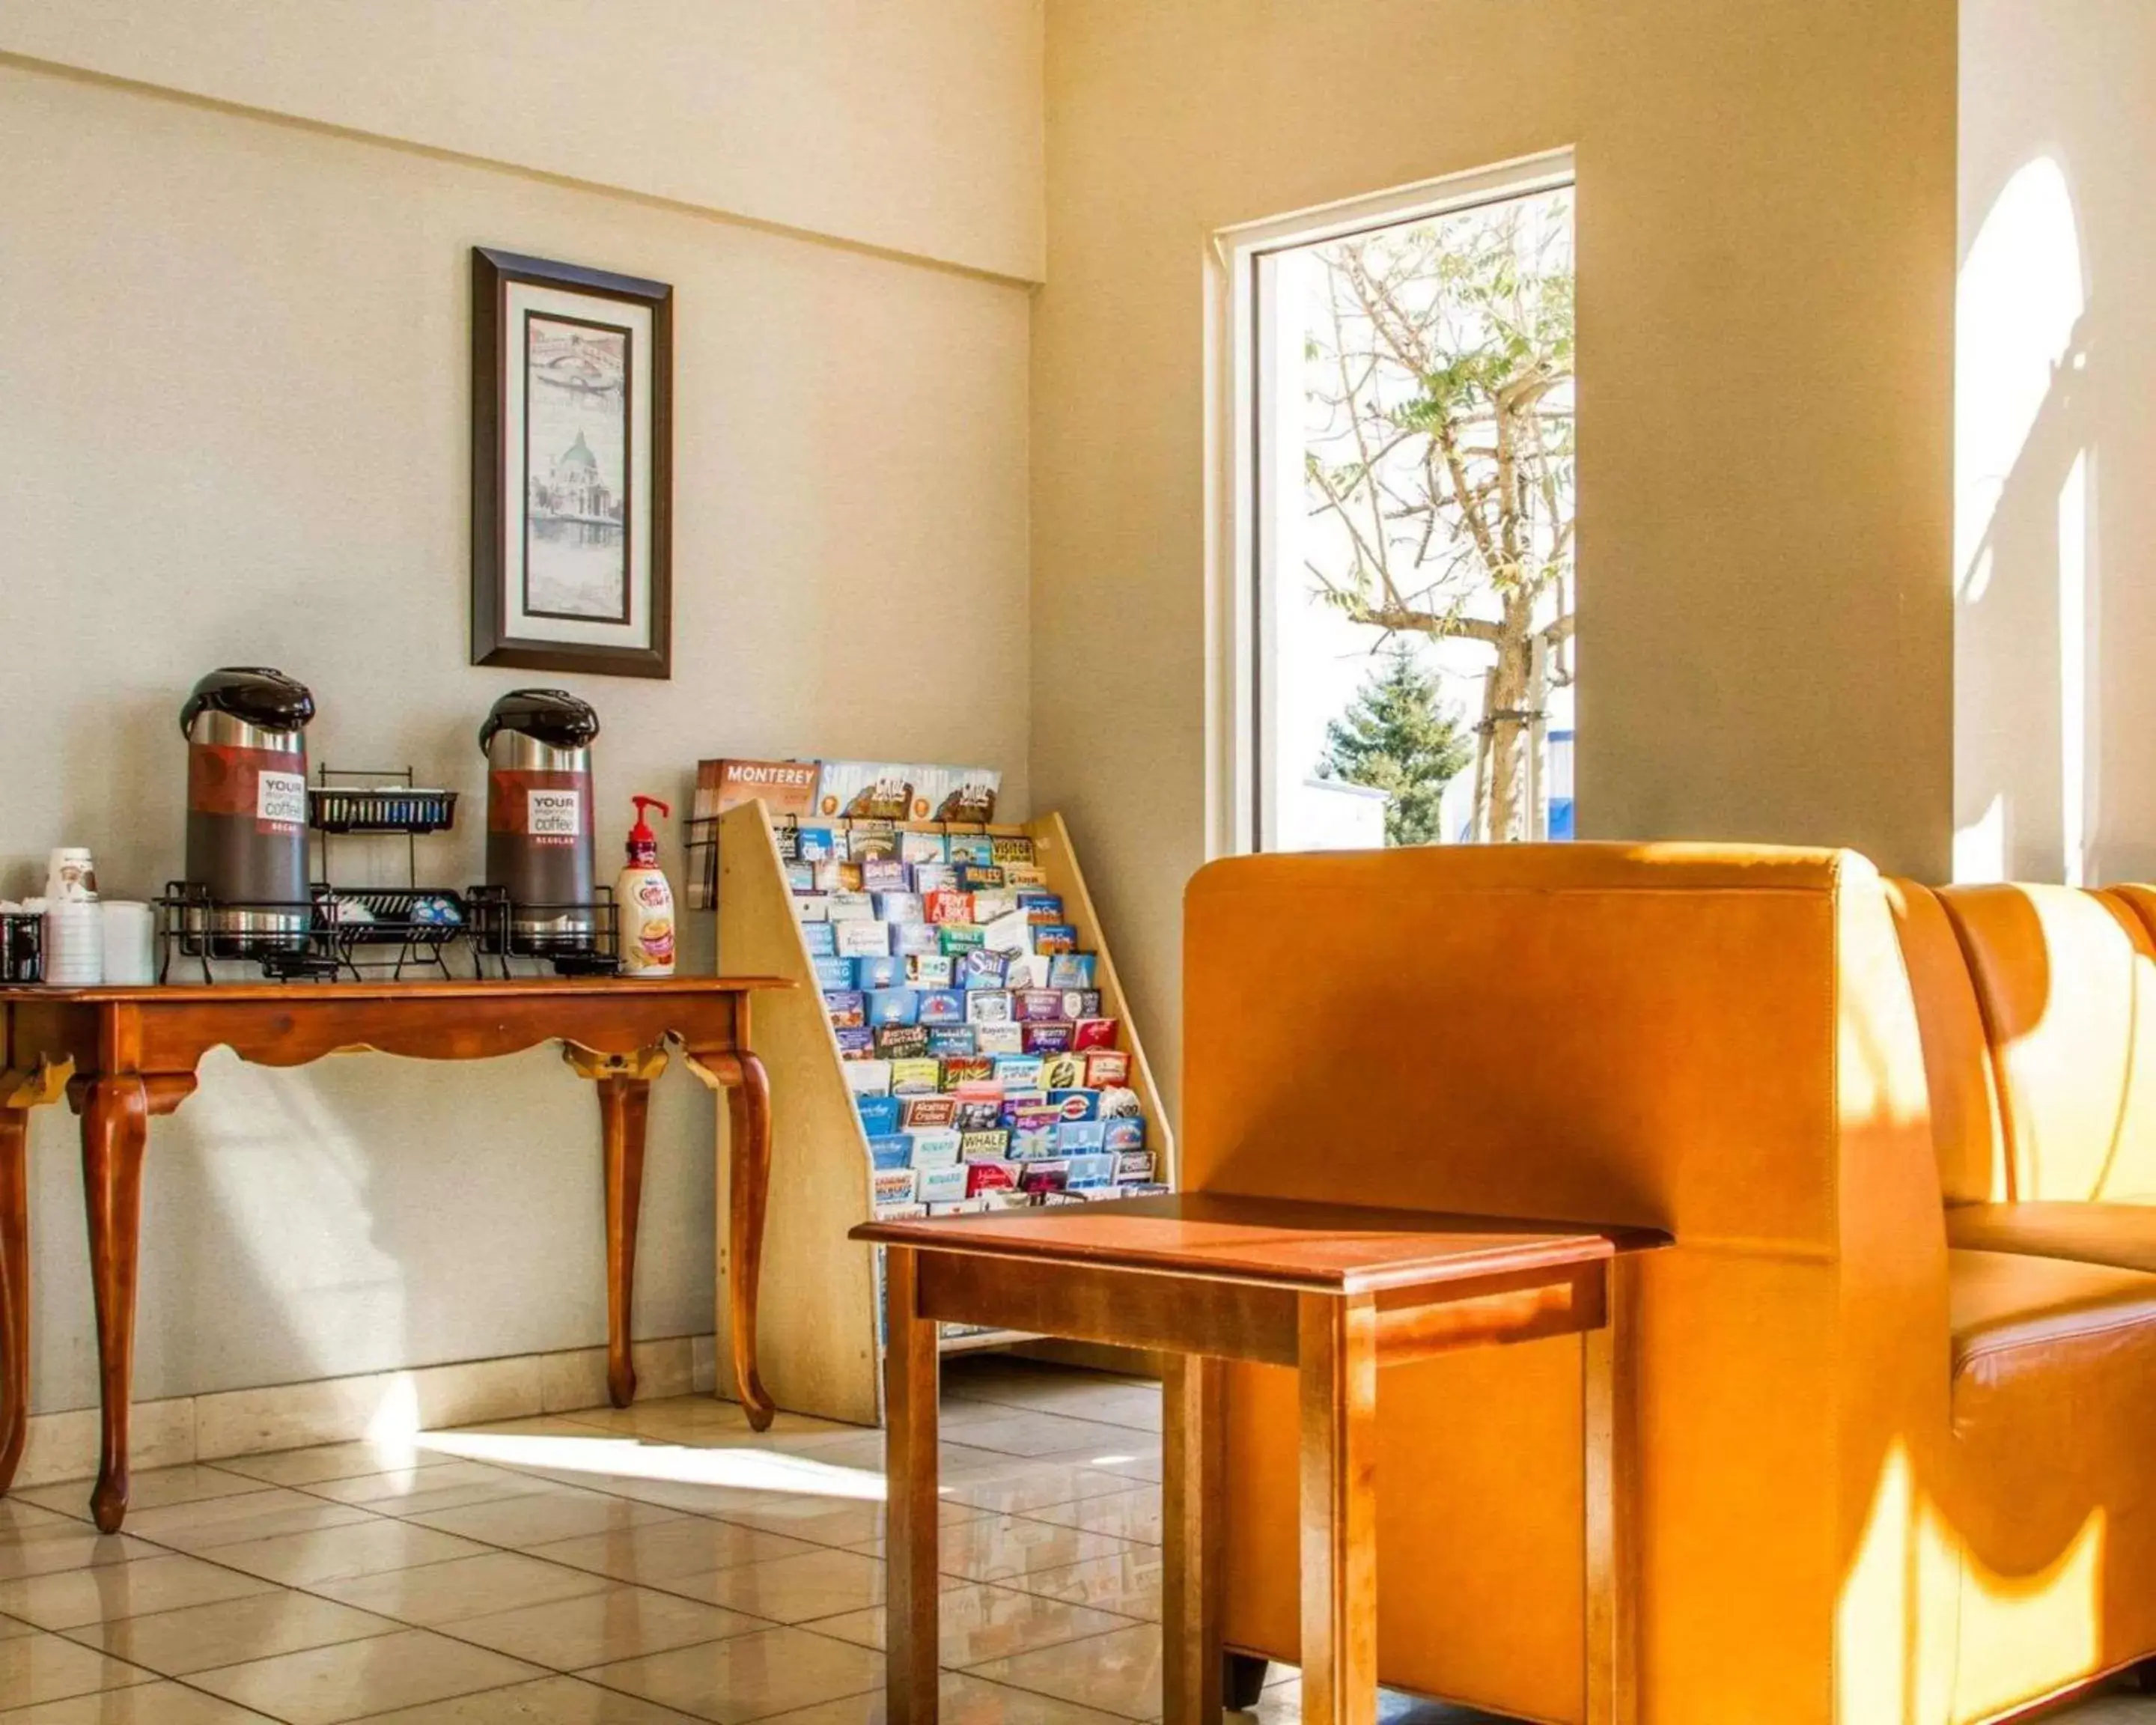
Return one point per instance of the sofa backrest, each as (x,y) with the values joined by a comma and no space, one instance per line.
(1966,1135)
(1715,1039)
(2065,980)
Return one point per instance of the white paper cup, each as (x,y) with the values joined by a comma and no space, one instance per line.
(131,941)
(70,873)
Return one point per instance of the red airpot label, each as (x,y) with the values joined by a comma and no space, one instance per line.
(224,780)
(545,807)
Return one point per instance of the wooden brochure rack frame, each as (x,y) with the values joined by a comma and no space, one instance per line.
(820,1321)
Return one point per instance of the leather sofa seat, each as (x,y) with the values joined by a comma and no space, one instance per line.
(2022,1325)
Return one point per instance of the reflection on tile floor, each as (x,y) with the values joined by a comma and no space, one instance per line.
(656,1565)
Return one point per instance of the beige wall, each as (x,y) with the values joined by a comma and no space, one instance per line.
(2056,370)
(235,417)
(914,126)
(1766,258)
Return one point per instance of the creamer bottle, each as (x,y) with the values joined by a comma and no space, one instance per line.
(644,902)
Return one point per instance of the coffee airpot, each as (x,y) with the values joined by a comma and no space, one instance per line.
(539,850)
(247,808)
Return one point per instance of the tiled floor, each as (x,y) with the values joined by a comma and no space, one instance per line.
(656,1566)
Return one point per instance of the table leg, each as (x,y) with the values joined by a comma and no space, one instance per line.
(909,1512)
(748,1138)
(1193,1437)
(14,1290)
(625,1107)
(1338,1370)
(1607,1403)
(115,1129)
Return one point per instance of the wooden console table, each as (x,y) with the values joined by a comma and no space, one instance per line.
(120,1054)
(1335,1293)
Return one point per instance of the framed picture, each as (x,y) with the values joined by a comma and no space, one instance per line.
(572,468)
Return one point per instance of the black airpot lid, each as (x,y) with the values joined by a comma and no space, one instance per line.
(253,693)
(553,716)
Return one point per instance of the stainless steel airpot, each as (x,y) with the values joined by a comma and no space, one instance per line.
(247,807)
(539,851)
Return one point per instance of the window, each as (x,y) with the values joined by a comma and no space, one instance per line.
(1399,593)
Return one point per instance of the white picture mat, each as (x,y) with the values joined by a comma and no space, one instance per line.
(521,299)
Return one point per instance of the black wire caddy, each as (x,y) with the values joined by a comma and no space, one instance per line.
(357,931)
(22,947)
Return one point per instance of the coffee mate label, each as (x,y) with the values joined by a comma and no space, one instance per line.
(280,798)
(558,815)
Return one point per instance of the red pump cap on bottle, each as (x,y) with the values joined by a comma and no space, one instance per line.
(643,842)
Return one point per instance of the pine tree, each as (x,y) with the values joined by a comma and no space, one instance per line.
(1397,736)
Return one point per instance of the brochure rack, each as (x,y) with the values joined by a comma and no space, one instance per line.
(821,1320)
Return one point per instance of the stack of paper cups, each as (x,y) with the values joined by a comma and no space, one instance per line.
(75,943)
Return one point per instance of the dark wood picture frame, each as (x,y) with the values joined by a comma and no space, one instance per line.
(493,273)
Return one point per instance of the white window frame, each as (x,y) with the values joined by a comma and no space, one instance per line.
(1240,376)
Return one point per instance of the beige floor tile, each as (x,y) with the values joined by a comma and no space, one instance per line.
(323,1685)
(208,1522)
(154,1490)
(416,1491)
(597,1629)
(552,1701)
(1118,1673)
(46,1549)
(523,1425)
(676,1417)
(1013,1487)
(542,1517)
(113,1590)
(20,1514)
(1138,1462)
(687,1545)
(143,1704)
(338,1553)
(963,1700)
(436,1593)
(1129,1584)
(175,1643)
(331,1462)
(748,1676)
(1011,1545)
(1134,1514)
(821,1584)
(820,1520)
(1055,1434)
(10,1627)
(42,1667)
(980,1622)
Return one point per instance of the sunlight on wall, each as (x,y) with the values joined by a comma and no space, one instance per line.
(396,1416)
(2015,307)
(1980,845)
(2020,298)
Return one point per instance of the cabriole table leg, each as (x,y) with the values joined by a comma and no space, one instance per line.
(624,1084)
(115,1130)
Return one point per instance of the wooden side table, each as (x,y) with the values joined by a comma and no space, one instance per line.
(120,1055)
(1334,1292)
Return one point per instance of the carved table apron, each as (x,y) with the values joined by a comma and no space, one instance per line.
(120,1054)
